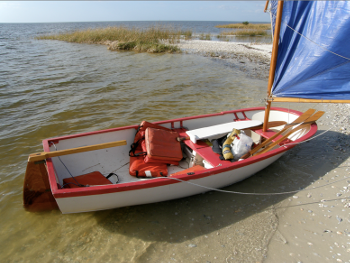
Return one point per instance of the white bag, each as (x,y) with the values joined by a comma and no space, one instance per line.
(241,146)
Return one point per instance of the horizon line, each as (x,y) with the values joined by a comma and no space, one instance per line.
(133,21)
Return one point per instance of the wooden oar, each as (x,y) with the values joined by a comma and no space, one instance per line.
(303,117)
(34,157)
(310,121)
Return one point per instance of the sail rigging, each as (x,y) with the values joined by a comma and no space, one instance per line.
(313,62)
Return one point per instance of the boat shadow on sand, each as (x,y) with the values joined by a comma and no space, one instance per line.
(187,218)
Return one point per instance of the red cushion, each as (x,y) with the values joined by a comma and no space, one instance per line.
(94,178)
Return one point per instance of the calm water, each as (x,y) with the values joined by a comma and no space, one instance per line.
(52,88)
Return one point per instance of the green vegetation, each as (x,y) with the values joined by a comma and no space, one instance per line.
(153,40)
(246,26)
(223,38)
(204,37)
(246,29)
(187,34)
(245,33)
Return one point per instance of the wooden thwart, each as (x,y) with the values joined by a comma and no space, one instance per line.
(35,157)
(271,124)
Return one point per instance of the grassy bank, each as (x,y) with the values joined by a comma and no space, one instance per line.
(246,32)
(153,40)
(246,26)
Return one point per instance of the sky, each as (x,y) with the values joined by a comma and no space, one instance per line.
(86,11)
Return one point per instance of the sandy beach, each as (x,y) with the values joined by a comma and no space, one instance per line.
(312,224)
(255,52)
(251,57)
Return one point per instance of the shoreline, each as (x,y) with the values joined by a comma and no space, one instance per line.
(252,58)
(313,224)
(258,53)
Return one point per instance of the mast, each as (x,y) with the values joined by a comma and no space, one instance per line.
(273,62)
(266,5)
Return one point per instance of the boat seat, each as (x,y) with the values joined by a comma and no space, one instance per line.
(203,149)
(219,130)
(206,152)
(94,178)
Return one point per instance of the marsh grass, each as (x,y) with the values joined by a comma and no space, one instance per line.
(204,36)
(153,40)
(249,26)
(187,34)
(245,33)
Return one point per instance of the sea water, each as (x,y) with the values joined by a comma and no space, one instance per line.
(52,88)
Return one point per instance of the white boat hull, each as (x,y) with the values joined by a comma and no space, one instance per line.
(160,193)
(130,190)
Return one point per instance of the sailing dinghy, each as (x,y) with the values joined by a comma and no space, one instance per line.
(96,170)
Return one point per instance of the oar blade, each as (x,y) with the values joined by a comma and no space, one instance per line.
(304,125)
(307,114)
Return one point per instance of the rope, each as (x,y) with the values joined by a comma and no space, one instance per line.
(242,193)
(314,137)
(66,168)
(309,38)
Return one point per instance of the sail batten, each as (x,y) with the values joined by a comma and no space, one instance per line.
(313,55)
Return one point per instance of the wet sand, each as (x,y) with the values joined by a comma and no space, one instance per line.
(311,225)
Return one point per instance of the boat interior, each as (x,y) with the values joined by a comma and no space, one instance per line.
(114,163)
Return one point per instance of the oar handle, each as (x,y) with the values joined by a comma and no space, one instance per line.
(307,114)
(304,125)
(34,157)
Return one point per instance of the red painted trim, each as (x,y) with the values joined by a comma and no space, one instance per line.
(97,190)
(50,168)
(245,117)
(173,120)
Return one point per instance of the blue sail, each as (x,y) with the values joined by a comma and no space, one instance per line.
(314,51)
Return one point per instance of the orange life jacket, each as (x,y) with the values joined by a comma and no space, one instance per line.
(161,146)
